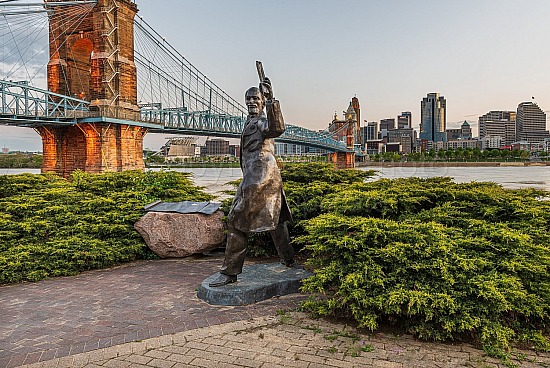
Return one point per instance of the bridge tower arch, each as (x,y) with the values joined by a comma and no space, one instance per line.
(93,60)
(79,68)
(348,130)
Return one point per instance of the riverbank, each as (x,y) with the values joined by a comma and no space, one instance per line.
(450,164)
(193,165)
(201,165)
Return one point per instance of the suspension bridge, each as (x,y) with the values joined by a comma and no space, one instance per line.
(92,78)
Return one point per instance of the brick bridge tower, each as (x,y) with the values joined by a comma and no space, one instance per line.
(94,62)
(350,130)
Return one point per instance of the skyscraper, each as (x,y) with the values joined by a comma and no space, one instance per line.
(531,123)
(371,131)
(404,120)
(403,136)
(433,118)
(387,124)
(498,123)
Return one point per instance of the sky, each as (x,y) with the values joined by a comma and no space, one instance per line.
(481,55)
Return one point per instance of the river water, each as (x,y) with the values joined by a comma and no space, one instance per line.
(513,177)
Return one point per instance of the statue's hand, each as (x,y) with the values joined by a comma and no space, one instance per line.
(266,89)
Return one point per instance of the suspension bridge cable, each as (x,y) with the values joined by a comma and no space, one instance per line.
(29,45)
(71,51)
(18,25)
(17,47)
(197,82)
(75,18)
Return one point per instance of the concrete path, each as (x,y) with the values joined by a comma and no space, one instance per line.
(146,314)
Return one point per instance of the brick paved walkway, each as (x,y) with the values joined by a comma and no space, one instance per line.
(147,315)
(289,340)
(70,315)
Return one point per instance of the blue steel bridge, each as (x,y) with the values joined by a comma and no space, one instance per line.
(41,49)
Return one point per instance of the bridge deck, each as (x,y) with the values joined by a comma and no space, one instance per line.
(27,106)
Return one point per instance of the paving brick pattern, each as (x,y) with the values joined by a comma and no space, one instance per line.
(290,340)
(147,315)
(65,316)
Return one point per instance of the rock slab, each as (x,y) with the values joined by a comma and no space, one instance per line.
(172,235)
(257,282)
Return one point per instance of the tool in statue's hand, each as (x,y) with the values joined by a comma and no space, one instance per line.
(265,83)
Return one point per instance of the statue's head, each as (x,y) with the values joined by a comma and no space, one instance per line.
(255,101)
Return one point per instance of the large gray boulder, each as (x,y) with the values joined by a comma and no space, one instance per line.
(180,235)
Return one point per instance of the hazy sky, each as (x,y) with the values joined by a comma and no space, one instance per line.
(481,55)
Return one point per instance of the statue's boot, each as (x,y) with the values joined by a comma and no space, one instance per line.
(222,280)
(281,239)
(289,262)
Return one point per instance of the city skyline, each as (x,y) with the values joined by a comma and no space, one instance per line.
(481,55)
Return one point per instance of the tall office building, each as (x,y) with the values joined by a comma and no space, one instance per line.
(403,136)
(369,132)
(387,124)
(217,147)
(372,131)
(404,120)
(433,118)
(370,136)
(498,123)
(531,123)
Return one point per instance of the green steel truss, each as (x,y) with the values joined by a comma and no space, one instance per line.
(24,105)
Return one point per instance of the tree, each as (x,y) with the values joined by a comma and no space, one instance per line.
(505,153)
(414,156)
(524,154)
(468,153)
(450,154)
(459,153)
(477,153)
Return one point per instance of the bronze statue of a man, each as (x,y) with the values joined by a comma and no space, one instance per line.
(260,203)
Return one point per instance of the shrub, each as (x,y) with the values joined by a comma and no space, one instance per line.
(305,185)
(443,260)
(50,226)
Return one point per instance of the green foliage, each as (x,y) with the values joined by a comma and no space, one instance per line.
(50,226)
(20,160)
(305,185)
(306,173)
(443,260)
(461,154)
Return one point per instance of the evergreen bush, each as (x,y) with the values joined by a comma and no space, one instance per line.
(442,260)
(50,226)
(305,185)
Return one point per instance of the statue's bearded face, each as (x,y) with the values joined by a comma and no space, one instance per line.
(254,101)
